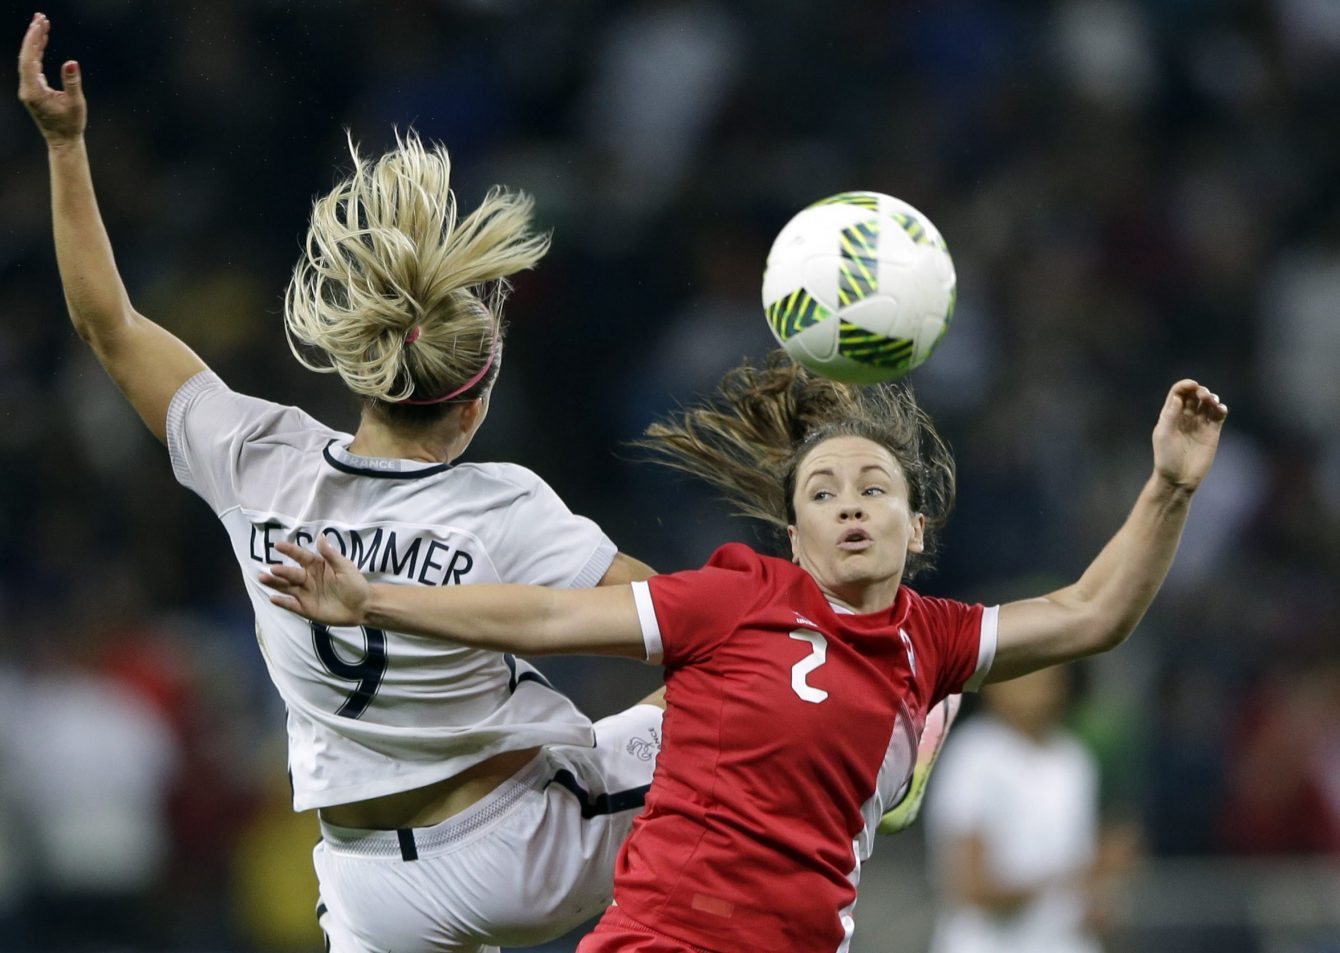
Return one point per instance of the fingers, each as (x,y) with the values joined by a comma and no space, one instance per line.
(303,557)
(31,80)
(284,576)
(333,556)
(286,602)
(1193,399)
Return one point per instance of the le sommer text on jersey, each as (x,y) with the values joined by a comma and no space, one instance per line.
(416,557)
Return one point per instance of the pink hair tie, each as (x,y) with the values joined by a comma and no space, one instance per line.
(493,352)
(413,335)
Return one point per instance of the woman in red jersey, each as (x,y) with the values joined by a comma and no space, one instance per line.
(795,690)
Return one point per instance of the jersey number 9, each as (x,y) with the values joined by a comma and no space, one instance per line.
(367,671)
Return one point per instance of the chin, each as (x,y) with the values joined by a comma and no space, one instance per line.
(864,574)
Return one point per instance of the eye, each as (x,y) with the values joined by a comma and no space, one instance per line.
(820,495)
(873,491)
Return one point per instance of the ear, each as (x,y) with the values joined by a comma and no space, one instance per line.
(916,543)
(472,414)
(794,538)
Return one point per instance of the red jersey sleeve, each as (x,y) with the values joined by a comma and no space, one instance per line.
(967,643)
(686,615)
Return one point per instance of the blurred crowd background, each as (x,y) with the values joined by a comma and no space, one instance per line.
(1133,192)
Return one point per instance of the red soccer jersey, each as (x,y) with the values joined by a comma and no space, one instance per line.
(789,726)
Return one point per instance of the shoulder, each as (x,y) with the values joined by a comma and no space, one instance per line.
(935,612)
(733,576)
(207,389)
(505,478)
(748,563)
(736,556)
(930,603)
(742,558)
(208,419)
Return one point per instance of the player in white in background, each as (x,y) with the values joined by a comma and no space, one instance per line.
(463,801)
(1012,826)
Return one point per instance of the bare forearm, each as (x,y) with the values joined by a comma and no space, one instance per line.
(503,618)
(528,620)
(96,297)
(1123,580)
(1102,608)
(147,362)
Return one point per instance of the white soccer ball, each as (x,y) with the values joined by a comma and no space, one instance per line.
(859,287)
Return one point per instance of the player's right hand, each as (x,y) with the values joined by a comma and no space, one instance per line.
(59,114)
(1187,434)
(323,586)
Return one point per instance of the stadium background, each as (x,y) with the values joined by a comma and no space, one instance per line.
(1133,192)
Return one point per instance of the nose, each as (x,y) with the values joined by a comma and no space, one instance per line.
(851,511)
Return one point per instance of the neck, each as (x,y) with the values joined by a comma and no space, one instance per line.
(867,597)
(433,445)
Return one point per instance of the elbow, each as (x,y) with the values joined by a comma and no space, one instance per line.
(102,326)
(83,327)
(1109,640)
(1103,632)
(1090,626)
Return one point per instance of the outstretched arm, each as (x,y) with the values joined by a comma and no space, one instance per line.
(1102,608)
(147,362)
(530,620)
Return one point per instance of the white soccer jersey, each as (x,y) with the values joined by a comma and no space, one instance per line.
(1034,805)
(374,712)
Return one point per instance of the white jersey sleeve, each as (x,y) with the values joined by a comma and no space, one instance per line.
(374,712)
(209,427)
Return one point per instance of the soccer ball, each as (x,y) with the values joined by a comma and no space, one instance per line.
(859,287)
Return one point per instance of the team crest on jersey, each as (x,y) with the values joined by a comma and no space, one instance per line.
(645,747)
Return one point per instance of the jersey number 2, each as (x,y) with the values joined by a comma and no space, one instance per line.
(367,671)
(818,653)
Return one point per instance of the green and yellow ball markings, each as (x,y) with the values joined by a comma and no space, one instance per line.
(859,199)
(794,313)
(866,347)
(915,228)
(858,274)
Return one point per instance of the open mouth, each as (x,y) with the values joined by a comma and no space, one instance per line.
(854,540)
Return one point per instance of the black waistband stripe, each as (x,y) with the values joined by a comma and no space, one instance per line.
(408,849)
(612,803)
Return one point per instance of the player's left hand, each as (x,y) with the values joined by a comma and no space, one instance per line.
(1187,434)
(59,113)
(323,586)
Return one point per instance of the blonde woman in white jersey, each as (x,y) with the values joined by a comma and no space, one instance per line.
(464,802)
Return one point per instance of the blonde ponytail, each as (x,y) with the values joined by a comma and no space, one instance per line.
(395,292)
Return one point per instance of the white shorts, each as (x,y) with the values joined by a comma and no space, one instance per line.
(528,863)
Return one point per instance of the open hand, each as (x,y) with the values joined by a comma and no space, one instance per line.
(59,114)
(324,586)
(1187,434)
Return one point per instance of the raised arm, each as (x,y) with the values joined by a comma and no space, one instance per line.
(1101,609)
(326,587)
(147,362)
